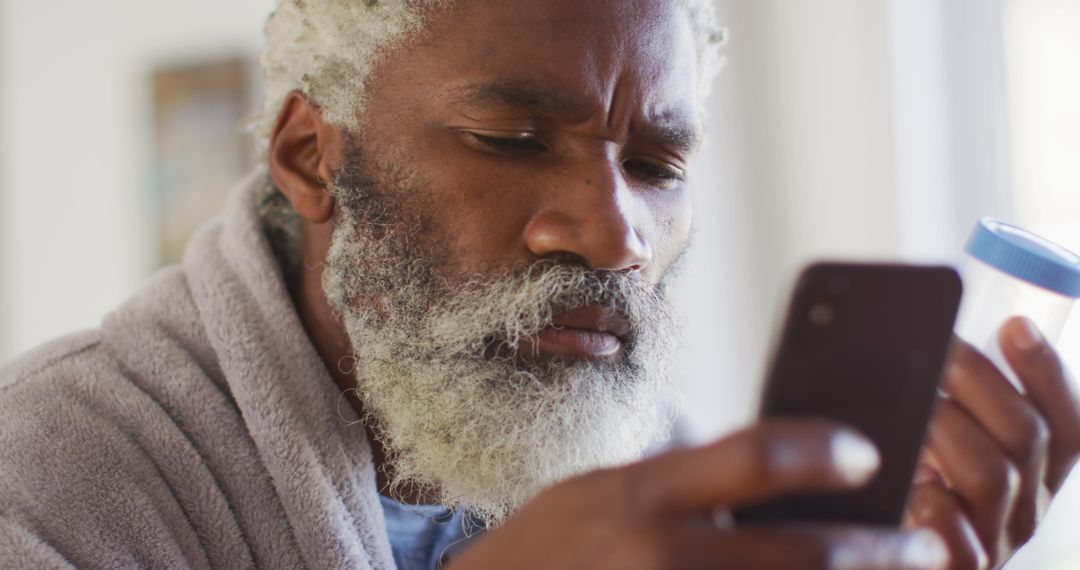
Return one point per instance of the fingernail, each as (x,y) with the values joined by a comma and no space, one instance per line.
(855,457)
(925,474)
(924,549)
(1025,336)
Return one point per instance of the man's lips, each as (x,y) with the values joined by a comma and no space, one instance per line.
(592,332)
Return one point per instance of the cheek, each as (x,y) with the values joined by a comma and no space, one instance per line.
(668,232)
(483,207)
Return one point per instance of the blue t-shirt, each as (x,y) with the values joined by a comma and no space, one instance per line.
(426,537)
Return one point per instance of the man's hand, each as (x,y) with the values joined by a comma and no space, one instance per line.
(995,457)
(659,513)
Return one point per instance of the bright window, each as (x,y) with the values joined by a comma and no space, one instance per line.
(1043,60)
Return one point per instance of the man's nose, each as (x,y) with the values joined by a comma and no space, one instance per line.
(591,219)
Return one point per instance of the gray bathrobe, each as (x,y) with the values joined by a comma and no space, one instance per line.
(197,427)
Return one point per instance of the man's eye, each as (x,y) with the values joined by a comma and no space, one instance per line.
(511,143)
(660,175)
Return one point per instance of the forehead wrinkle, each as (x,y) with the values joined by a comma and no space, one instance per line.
(522,96)
(540,100)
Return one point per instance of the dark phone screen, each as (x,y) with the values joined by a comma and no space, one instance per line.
(863,345)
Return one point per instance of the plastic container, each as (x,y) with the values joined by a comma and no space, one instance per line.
(1012,272)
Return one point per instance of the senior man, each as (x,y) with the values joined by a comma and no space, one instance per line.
(432,327)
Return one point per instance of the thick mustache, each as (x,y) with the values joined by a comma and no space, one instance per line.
(613,290)
(578,295)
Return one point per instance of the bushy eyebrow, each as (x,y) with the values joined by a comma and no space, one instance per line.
(678,134)
(683,137)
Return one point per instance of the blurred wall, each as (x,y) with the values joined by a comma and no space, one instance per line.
(840,128)
(76,223)
(5,304)
(799,165)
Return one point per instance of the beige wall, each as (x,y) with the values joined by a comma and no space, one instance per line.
(841,128)
(76,224)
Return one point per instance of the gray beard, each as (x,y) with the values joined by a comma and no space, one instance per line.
(439,369)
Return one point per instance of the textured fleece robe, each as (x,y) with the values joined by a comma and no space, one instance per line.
(196,428)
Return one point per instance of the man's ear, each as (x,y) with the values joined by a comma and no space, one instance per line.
(304,154)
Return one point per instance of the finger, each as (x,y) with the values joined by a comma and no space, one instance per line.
(773,458)
(932,506)
(805,548)
(1047,382)
(974,383)
(977,469)
(925,472)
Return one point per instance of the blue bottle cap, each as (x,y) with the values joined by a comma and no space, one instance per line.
(1026,256)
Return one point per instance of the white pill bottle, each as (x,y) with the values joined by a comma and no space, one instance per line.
(1012,272)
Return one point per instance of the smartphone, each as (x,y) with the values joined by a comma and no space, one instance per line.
(864,345)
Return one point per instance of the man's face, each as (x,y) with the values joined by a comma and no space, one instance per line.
(509,206)
(556,127)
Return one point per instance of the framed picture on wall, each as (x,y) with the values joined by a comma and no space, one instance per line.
(201,149)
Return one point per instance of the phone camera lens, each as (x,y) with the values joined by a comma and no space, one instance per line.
(822,314)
